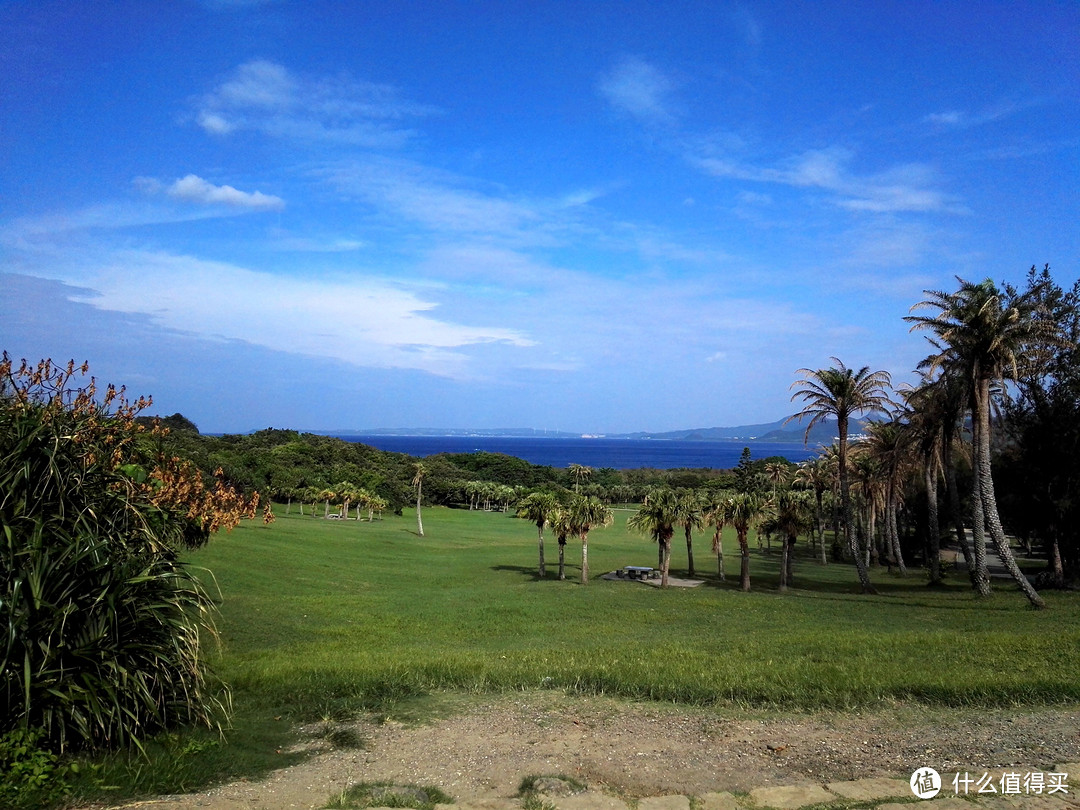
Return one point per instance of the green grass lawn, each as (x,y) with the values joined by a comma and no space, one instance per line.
(317,611)
(324,618)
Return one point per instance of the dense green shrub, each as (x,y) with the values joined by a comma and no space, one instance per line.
(104,627)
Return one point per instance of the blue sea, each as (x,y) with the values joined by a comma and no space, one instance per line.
(619,454)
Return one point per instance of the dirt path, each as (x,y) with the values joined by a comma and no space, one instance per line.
(646,749)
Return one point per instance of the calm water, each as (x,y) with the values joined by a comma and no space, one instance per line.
(620,454)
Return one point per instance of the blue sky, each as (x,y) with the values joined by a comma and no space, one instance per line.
(588,216)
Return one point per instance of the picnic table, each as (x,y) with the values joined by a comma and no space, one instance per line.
(637,572)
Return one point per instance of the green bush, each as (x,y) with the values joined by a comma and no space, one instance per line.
(30,776)
(104,627)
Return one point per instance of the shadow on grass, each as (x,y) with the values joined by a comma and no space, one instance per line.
(530,571)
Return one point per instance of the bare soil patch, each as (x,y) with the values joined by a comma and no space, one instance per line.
(485,749)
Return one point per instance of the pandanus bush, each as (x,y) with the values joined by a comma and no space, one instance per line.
(105,627)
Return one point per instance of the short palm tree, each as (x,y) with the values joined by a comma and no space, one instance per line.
(689,515)
(744,511)
(562,523)
(793,515)
(656,518)
(716,516)
(580,473)
(843,393)
(539,507)
(587,513)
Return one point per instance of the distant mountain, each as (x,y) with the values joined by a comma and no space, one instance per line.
(822,433)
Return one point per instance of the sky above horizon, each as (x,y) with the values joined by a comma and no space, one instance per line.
(596,217)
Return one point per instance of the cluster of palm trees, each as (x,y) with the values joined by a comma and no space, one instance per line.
(572,517)
(343,496)
(981,339)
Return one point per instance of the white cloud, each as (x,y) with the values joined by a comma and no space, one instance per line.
(360,320)
(640,89)
(909,187)
(439,201)
(194,189)
(264,96)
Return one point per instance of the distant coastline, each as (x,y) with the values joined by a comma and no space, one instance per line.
(619,454)
(780,431)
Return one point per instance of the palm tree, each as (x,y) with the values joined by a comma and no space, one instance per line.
(580,473)
(656,517)
(539,507)
(842,392)
(981,335)
(588,512)
(744,510)
(418,482)
(888,443)
(926,417)
(792,516)
(689,515)
(562,523)
(716,516)
(814,473)
(326,495)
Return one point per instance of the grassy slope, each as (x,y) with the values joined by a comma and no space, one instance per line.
(321,619)
(318,614)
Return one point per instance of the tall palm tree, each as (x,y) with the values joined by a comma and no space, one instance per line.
(588,512)
(418,481)
(538,507)
(656,518)
(842,392)
(982,334)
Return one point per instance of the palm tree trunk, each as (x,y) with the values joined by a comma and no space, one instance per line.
(665,566)
(894,536)
(718,543)
(989,501)
(933,530)
(791,564)
(585,559)
(783,564)
(543,568)
(744,569)
(845,497)
(821,526)
(562,558)
(690,551)
(419,520)
(955,514)
(981,578)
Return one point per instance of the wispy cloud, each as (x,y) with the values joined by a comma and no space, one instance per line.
(636,87)
(358,319)
(193,189)
(264,96)
(964,119)
(439,201)
(909,187)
